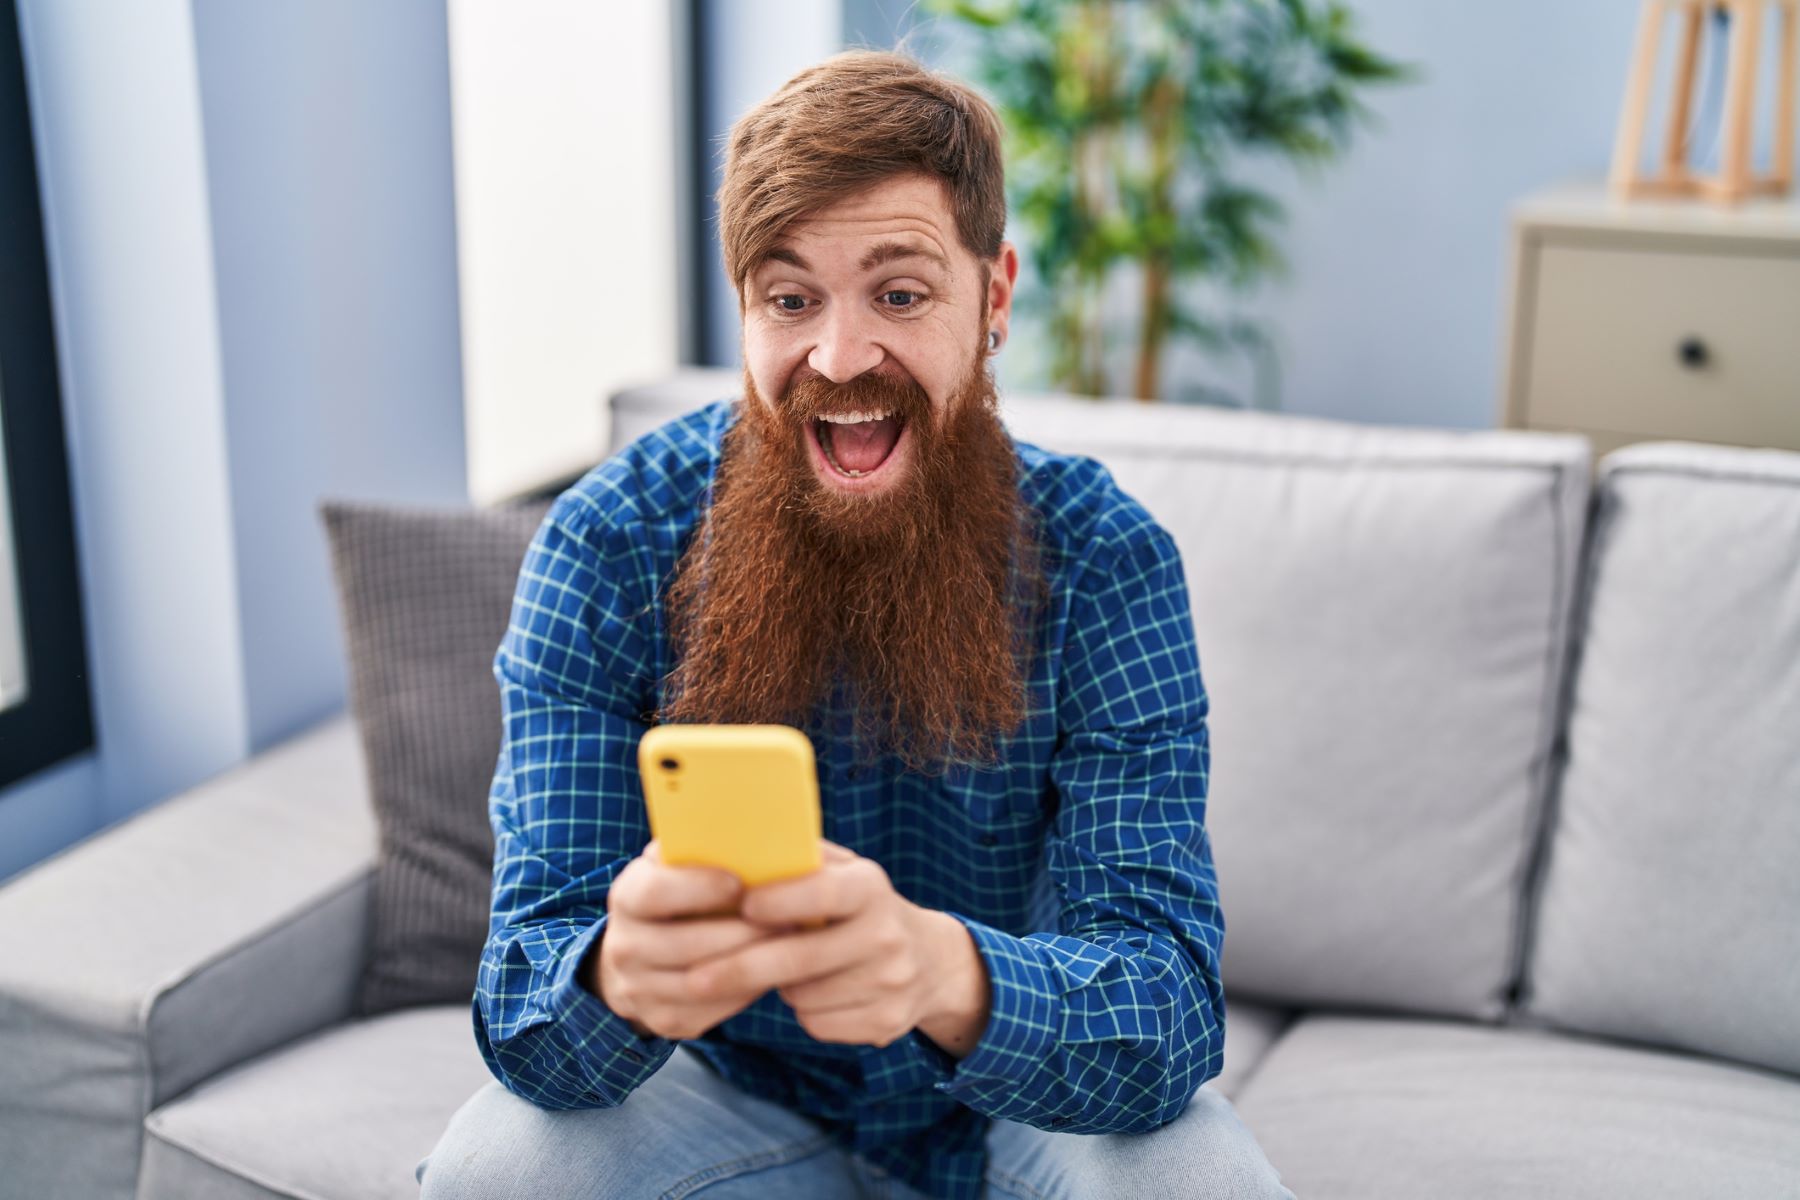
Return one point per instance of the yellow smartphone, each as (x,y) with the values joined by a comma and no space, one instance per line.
(741,797)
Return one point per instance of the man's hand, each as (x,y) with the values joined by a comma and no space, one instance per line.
(880,966)
(660,922)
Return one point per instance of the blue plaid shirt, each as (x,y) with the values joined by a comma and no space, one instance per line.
(1081,866)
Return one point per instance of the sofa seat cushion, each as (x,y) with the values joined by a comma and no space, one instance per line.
(1250,1031)
(1358,1106)
(348,1114)
(344,1115)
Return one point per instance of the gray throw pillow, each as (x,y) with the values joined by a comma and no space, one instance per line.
(424,596)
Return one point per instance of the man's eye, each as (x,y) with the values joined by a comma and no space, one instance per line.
(901,298)
(790,303)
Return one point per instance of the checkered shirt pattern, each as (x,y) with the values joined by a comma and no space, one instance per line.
(1080,865)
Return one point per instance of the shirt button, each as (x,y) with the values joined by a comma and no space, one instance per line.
(988,839)
(633,1055)
(1059,1122)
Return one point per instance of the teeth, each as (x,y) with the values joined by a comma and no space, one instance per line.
(855,418)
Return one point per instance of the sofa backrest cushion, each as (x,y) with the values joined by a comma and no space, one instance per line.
(1382,615)
(424,596)
(1382,620)
(1670,905)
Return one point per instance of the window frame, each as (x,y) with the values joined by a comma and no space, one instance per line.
(55,719)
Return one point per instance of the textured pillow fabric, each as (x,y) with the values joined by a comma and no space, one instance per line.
(1670,907)
(424,597)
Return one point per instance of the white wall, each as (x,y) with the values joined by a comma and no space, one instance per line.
(252,233)
(1394,308)
(249,227)
(566,210)
(116,120)
(751,48)
(327,137)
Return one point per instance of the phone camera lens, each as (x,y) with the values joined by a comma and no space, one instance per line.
(669,764)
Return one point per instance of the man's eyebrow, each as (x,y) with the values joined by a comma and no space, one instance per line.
(792,258)
(878,254)
(887,252)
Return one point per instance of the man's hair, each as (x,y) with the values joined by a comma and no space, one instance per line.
(844,125)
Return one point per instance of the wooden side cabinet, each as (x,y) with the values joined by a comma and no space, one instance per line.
(1641,320)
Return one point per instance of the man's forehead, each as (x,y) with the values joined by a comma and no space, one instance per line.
(907,216)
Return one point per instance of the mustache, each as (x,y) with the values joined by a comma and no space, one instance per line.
(816,396)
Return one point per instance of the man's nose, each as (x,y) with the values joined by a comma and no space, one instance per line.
(845,348)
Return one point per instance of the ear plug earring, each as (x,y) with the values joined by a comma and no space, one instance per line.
(993,341)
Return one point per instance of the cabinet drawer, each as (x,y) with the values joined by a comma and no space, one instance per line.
(1608,328)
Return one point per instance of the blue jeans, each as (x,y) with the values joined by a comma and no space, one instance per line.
(687,1132)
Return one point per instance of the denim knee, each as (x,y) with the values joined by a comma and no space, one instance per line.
(1206,1151)
(489,1145)
(684,1129)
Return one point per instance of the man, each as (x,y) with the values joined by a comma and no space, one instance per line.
(1016,989)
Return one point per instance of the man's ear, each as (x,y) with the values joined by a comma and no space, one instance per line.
(1003,274)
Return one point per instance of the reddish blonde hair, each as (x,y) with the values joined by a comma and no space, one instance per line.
(844,125)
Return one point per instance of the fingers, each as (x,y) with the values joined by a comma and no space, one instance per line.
(650,890)
(644,972)
(878,1024)
(669,990)
(839,889)
(866,983)
(663,1003)
(680,944)
(792,958)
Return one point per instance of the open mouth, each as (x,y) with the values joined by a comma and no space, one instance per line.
(859,444)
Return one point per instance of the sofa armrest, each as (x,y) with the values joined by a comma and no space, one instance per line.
(217,925)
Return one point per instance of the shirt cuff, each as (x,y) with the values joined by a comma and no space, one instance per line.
(1024,1015)
(605,1044)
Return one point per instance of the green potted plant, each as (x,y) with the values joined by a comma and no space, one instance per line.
(1128,126)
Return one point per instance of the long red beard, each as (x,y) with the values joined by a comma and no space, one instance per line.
(923,600)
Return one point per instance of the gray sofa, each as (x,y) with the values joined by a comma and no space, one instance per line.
(1505,806)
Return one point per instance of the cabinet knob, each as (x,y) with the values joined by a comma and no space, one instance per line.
(1693,353)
